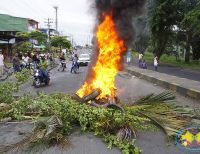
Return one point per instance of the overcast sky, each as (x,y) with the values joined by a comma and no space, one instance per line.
(74,16)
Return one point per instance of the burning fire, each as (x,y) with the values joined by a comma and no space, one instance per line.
(107,65)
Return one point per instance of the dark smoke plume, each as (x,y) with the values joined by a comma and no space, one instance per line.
(123,12)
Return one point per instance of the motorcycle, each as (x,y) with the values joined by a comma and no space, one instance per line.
(40,79)
(26,65)
(62,66)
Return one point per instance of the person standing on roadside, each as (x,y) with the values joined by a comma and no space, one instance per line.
(128,57)
(16,62)
(1,63)
(140,60)
(144,64)
(155,63)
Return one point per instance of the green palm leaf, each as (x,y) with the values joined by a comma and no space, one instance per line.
(152,98)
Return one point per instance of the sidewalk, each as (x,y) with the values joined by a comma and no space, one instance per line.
(174,70)
(183,86)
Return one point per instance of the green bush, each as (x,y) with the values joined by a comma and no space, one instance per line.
(6,90)
(23,76)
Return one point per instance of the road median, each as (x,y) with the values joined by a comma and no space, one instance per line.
(185,87)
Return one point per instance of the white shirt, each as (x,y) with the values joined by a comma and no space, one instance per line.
(26,59)
(140,56)
(155,62)
(1,60)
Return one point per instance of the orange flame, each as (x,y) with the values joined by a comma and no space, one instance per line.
(111,48)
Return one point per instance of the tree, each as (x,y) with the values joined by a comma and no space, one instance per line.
(24,46)
(163,16)
(61,42)
(39,36)
(191,25)
(142,34)
(23,34)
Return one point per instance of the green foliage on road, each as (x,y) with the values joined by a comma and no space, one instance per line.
(6,91)
(116,127)
(23,75)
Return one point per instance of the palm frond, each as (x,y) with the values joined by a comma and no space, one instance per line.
(52,124)
(152,98)
(166,119)
(126,133)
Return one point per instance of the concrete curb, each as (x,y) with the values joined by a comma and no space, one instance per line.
(171,85)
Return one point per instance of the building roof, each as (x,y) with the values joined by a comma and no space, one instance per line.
(32,20)
(11,23)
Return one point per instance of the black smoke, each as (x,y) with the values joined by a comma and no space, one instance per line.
(123,12)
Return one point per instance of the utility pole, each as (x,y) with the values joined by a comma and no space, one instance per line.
(56,22)
(49,22)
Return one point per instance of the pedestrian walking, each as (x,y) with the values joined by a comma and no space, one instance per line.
(155,63)
(75,63)
(1,63)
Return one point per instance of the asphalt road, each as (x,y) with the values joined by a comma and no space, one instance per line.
(129,89)
(173,70)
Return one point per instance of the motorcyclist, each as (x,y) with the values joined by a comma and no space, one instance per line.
(75,62)
(44,66)
(62,57)
(35,59)
(51,60)
(25,61)
(62,60)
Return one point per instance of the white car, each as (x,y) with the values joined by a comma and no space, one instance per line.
(84,59)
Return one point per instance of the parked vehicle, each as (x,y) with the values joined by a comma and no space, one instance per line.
(40,78)
(84,59)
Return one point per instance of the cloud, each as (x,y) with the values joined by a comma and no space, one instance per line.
(73,15)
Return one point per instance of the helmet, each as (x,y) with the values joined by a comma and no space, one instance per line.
(42,55)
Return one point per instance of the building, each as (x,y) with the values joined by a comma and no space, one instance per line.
(9,26)
(52,32)
(32,25)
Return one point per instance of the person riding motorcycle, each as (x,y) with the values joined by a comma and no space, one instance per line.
(62,57)
(62,62)
(44,66)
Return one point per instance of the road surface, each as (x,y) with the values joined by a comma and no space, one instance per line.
(129,88)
